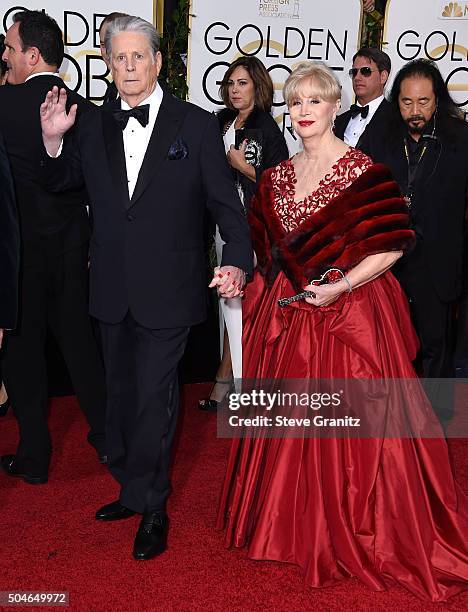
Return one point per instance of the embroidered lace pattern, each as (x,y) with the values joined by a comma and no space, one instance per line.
(291,213)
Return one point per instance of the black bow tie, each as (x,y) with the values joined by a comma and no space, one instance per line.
(359,110)
(141,114)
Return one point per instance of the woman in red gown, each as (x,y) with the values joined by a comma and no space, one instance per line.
(384,509)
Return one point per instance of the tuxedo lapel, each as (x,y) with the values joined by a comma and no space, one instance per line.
(165,130)
(380,112)
(115,152)
(378,116)
(341,123)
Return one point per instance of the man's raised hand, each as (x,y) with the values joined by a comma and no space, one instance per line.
(55,121)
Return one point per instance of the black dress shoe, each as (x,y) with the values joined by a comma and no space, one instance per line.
(151,537)
(10,466)
(114,512)
(4,407)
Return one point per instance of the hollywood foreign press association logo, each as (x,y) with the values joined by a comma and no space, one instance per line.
(285,9)
(455,10)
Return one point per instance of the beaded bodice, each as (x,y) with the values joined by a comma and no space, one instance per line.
(291,213)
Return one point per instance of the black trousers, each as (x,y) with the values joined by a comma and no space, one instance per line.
(143,401)
(462,332)
(54,294)
(434,321)
(461,355)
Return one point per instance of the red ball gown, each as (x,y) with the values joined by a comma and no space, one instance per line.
(385,510)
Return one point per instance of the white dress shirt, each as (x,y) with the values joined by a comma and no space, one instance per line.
(31,76)
(136,137)
(357,125)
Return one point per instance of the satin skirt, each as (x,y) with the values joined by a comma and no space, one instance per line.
(385,510)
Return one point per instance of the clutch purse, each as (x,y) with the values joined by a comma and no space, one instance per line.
(333,275)
(254,148)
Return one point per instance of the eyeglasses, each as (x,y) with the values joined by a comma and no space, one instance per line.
(365,71)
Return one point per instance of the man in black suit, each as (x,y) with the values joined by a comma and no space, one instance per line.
(9,247)
(151,163)
(425,144)
(54,270)
(369,74)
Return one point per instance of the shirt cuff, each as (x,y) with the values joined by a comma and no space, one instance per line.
(58,152)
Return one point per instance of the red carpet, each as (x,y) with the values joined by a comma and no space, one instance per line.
(51,542)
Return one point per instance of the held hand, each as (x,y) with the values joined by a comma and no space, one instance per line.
(55,121)
(236,157)
(326,294)
(229,281)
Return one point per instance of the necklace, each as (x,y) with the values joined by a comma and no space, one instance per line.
(413,170)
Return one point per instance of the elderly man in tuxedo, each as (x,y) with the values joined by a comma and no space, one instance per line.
(369,74)
(151,163)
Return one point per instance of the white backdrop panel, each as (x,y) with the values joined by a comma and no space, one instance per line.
(433,29)
(281,33)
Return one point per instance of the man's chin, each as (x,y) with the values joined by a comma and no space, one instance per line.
(416,128)
(130,90)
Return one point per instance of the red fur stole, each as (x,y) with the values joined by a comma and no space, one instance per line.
(368,217)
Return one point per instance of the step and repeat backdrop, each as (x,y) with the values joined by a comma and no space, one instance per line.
(281,33)
(83,69)
(436,30)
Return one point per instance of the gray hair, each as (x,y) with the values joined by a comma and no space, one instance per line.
(128,23)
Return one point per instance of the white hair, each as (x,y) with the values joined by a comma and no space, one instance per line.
(128,23)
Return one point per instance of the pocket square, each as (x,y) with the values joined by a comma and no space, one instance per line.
(178,150)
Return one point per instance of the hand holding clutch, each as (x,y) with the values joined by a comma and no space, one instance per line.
(322,291)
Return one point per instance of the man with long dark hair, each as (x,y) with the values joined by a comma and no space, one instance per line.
(426,146)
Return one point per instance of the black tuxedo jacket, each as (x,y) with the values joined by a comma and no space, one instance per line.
(58,221)
(438,205)
(147,252)
(380,116)
(9,245)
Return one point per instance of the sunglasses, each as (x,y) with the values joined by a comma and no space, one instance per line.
(365,71)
